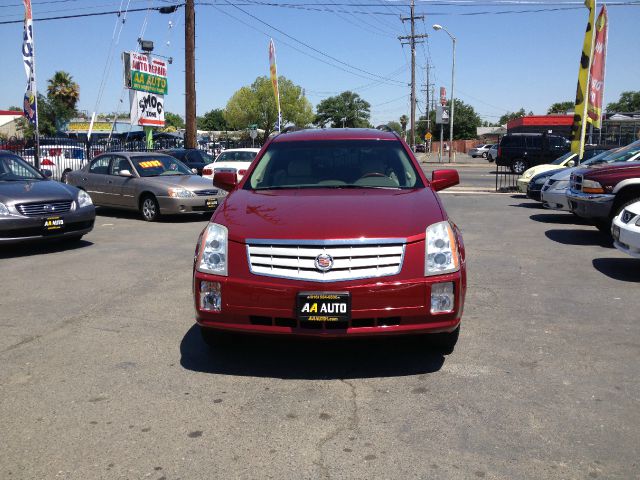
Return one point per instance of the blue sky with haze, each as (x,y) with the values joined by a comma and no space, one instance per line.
(504,61)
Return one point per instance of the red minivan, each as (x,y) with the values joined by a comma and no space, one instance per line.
(332,233)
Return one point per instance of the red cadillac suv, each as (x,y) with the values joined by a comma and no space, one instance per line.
(332,233)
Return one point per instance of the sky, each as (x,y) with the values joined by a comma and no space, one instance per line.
(504,61)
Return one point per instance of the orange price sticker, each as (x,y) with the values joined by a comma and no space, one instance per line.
(150,164)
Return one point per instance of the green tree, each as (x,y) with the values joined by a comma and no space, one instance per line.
(465,123)
(255,104)
(628,102)
(507,117)
(404,120)
(345,110)
(173,120)
(62,90)
(213,120)
(561,107)
(395,126)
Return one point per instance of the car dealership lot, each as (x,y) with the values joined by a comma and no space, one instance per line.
(105,376)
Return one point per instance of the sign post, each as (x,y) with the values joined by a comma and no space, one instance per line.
(253,133)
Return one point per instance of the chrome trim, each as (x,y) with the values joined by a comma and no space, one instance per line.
(351,241)
(594,197)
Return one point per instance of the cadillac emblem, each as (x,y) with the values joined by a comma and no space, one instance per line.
(324,262)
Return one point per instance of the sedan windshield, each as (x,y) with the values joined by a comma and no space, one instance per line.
(155,165)
(236,157)
(14,169)
(559,160)
(335,164)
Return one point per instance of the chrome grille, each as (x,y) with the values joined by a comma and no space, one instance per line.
(44,208)
(352,259)
(206,193)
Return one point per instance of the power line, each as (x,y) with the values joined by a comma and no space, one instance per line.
(82,15)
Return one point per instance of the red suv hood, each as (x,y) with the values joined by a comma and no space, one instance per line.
(608,169)
(323,214)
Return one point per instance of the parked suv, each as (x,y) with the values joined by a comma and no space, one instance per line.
(601,193)
(520,151)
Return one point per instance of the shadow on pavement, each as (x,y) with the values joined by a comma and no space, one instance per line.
(42,248)
(309,359)
(623,269)
(134,215)
(580,237)
(532,204)
(558,218)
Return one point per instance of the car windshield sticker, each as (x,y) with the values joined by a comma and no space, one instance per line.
(150,164)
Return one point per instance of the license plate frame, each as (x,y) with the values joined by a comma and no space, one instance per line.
(329,306)
(53,224)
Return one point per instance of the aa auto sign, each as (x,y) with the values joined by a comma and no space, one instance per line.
(147,109)
(145,73)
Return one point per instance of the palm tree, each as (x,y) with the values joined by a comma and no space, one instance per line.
(403,122)
(63,89)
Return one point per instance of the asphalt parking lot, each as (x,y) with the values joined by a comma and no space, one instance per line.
(104,374)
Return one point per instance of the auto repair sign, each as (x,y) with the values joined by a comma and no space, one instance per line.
(145,73)
(147,109)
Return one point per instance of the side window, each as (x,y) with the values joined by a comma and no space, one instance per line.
(100,165)
(534,142)
(192,157)
(118,164)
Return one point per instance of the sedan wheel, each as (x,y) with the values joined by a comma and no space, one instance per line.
(149,209)
(518,166)
(484,155)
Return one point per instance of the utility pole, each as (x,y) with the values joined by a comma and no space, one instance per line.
(412,41)
(190,74)
(427,91)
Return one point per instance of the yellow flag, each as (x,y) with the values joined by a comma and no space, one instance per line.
(578,128)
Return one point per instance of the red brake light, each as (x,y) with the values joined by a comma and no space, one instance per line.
(241,172)
(207,171)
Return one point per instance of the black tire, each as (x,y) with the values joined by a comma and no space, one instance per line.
(603,225)
(63,178)
(149,208)
(216,339)
(484,155)
(445,343)
(518,166)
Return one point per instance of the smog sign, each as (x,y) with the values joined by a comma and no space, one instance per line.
(147,109)
(145,73)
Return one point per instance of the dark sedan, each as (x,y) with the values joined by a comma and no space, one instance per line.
(191,157)
(35,208)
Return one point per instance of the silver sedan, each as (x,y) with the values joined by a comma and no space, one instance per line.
(152,183)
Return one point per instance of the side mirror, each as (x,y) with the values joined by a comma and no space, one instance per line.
(571,163)
(227,181)
(46,173)
(125,173)
(194,171)
(441,179)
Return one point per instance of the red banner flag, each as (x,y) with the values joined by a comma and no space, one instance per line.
(596,79)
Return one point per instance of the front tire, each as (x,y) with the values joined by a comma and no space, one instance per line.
(518,166)
(64,178)
(484,155)
(149,208)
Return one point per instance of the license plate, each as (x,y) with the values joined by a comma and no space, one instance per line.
(615,232)
(51,224)
(211,203)
(323,306)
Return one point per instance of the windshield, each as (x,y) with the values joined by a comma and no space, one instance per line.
(600,158)
(626,154)
(155,165)
(335,164)
(560,160)
(236,157)
(14,169)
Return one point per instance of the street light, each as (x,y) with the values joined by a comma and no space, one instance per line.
(437,27)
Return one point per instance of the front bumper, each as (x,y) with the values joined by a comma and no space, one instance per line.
(389,306)
(555,200)
(171,205)
(523,184)
(590,205)
(628,239)
(19,229)
(534,192)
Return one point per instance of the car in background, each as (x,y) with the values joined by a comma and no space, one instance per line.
(599,194)
(58,159)
(567,160)
(492,153)
(480,150)
(554,191)
(420,147)
(153,183)
(332,233)
(191,157)
(520,151)
(625,230)
(34,208)
(234,160)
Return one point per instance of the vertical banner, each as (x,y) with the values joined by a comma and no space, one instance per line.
(598,61)
(443,96)
(578,128)
(274,80)
(29,105)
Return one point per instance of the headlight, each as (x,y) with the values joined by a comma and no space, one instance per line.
(178,192)
(441,255)
(84,200)
(4,211)
(591,186)
(527,174)
(213,253)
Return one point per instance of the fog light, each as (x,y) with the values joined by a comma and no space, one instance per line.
(210,296)
(442,299)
